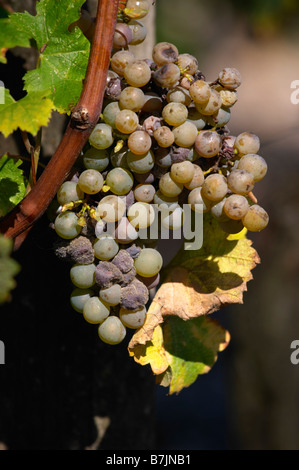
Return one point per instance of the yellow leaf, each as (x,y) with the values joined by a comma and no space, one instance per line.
(29,113)
(152,353)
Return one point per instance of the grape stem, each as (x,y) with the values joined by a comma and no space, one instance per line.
(252,197)
(83,119)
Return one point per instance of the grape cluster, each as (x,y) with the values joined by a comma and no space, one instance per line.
(162,141)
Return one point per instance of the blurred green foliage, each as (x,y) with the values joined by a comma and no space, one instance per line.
(269,16)
(179,21)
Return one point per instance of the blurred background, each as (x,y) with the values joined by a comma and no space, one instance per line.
(249,400)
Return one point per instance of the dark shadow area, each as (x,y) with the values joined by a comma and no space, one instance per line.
(58,375)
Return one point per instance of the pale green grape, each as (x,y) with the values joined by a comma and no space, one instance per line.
(200,91)
(179,95)
(95,311)
(185,134)
(110,112)
(119,159)
(197,179)
(112,331)
(212,106)
(137,73)
(255,164)
(256,218)
(91,181)
(101,136)
(144,192)
(131,98)
(83,275)
(169,187)
(69,191)
(208,144)
(198,202)
(188,63)
(140,163)
(182,172)
(247,143)
(175,114)
(120,60)
(79,297)
(164,136)
(132,318)
(139,32)
(148,263)
(221,118)
(96,159)
(240,182)
(214,187)
(105,247)
(111,295)
(126,121)
(236,206)
(139,143)
(120,181)
(141,215)
(198,119)
(66,225)
(110,209)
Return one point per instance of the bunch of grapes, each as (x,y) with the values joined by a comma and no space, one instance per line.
(161,143)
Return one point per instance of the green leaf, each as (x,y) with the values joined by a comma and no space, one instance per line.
(12,184)
(28,114)
(11,36)
(191,347)
(64,57)
(181,350)
(8,269)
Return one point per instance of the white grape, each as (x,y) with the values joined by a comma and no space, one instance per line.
(95,311)
(148,263)
(66,225)
(83,275)
(101,136)
(132,319)
(112,331)
(105,247)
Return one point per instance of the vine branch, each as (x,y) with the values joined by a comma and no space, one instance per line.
(83,119)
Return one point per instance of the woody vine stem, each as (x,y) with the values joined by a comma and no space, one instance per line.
(83,119)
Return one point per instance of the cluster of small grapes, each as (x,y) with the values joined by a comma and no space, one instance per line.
(161,142)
